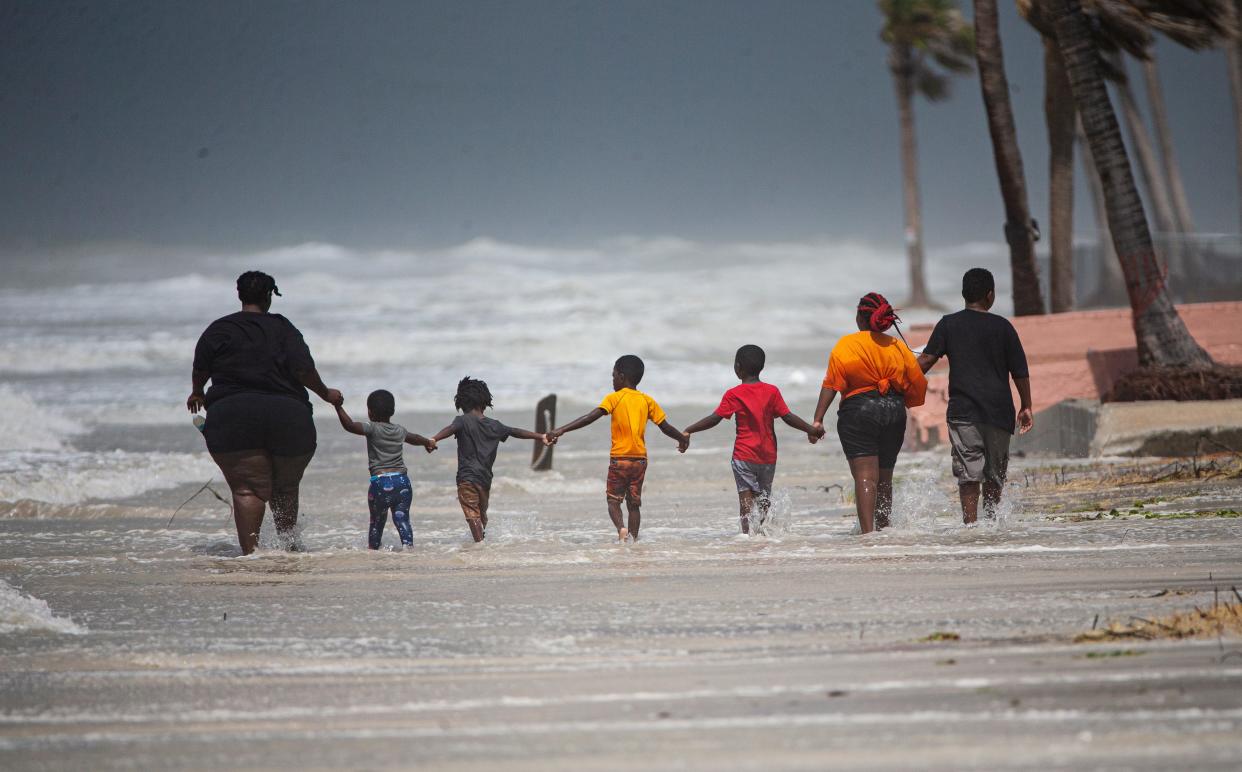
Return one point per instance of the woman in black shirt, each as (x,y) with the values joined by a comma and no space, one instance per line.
(259,429)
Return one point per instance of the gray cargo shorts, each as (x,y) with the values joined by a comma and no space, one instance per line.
(980,453)
(750,476)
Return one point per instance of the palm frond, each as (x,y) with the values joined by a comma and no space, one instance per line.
(932,85)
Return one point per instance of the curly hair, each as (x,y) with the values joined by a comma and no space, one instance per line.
(472,393)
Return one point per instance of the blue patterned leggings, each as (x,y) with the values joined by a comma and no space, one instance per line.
(390,492)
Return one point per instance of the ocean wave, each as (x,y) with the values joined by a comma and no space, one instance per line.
(74,477)
(24,425)
(21,613)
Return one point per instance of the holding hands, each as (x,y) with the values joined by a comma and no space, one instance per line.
(816,433)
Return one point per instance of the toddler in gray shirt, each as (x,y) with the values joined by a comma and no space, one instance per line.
(390,483)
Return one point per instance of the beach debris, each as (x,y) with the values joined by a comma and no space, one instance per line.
(940,635)
(1113,653)
(206,487)
(837,693)
(1219,620)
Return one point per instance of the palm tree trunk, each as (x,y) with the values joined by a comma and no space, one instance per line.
(1060,116)
(1027,296)
(1111,283)
(919,297)
(1160,120)
(1182,217)
(1149,169)
(1233,50)
(1160,334)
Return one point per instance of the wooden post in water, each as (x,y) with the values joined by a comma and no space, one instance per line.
(545,421)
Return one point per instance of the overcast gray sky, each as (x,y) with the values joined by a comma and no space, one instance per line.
(400,124)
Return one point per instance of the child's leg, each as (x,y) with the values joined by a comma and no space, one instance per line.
(468,497)
(746,505)
(401,503)
(634,495)
(485,495)
(377,502)
(615,488)
(636,517)
(763,502)
(614,512)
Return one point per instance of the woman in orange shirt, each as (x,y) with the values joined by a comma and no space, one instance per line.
(878,378)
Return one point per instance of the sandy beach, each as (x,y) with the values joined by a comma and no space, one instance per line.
(550,647)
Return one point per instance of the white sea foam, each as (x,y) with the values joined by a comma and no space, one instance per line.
(20,613)
(69,477)
(24,425)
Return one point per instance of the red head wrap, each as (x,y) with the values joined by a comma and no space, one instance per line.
(876,309)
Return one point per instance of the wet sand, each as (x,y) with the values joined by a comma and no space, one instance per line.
(552,648)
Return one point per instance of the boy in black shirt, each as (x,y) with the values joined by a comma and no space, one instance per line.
(478,437)
(984,353)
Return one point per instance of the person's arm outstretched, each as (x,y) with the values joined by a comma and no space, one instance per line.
(682,440)
(813,433)
(703,424)
(347,423)
(446,432)
(523,434)
(579,422)
(418,439)
(311,380)
(826,396)
(926,361)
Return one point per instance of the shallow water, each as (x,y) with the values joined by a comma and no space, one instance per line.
(127,641)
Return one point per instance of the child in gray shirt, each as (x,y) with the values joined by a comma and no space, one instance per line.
(478,437)
(390,483)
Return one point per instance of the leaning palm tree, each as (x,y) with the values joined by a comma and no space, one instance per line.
(1233,52)
(1117,26)
(1162,337)
(928,41)
(1027,297)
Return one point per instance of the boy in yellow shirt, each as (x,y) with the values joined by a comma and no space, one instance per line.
(627,464)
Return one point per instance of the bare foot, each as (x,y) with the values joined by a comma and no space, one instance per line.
(623,534)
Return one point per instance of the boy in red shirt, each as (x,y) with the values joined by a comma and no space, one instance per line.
(755,404)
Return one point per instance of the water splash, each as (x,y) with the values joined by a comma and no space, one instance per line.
(21,613)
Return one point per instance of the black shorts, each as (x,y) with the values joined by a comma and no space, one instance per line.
(873,424)
(280,425)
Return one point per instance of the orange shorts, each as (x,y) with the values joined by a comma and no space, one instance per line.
(473,498)
(625,479)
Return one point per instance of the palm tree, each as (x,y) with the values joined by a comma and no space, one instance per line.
(1149,169)
(928,42)
(1119,25)
(1027,297)
(1109,279)
(1161,336)
(1060,118)
(1233,52)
